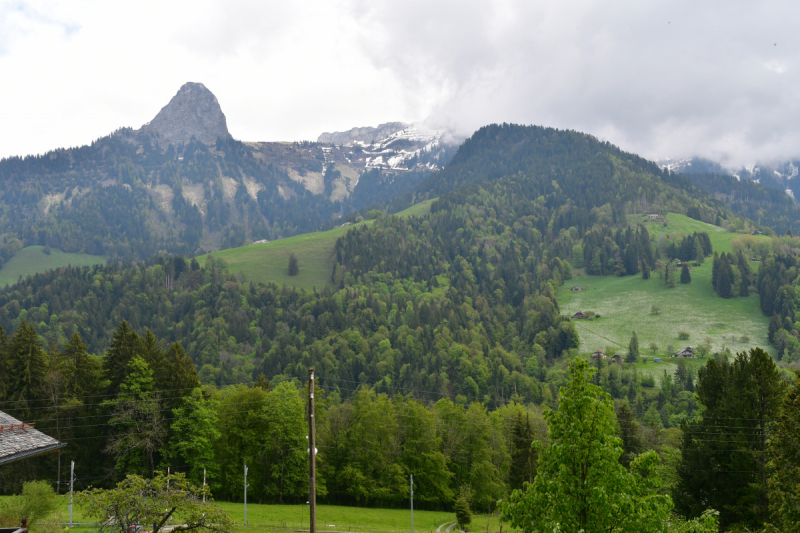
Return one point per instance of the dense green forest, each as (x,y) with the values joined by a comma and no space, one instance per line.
(140,408)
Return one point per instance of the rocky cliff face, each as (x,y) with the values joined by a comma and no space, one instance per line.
(366,135)
(193,111)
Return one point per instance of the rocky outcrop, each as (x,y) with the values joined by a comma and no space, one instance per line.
(366,135)
(194,111)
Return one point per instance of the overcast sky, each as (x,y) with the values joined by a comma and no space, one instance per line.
(718,79)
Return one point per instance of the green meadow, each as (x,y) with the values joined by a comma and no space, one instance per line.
(624,305)
(269,262)
(32,260)
(263,517)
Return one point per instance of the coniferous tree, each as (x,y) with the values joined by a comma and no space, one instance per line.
(685,276)
(294,267)
(744,270)
(698,252)
(724,278)
(523,457)
(724,465)
(125,345)
(27,363)
(629,433)
(5,362)
(669,276)
(784,481)
(83,374)
(715,272)
(633,349)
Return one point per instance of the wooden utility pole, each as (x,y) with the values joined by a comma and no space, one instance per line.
(312,457)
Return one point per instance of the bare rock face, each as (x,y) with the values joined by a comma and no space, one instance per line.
(194,111)
(367,134)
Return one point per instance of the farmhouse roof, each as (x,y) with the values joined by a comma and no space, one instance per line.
(686,352)
(576,288)
(580,314)
(20,441)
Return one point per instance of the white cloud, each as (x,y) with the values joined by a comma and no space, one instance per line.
(681,78)
(776,67)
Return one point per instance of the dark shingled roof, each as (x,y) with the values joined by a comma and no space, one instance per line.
(18,441)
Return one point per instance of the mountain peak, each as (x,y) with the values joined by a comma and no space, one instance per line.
(194,111)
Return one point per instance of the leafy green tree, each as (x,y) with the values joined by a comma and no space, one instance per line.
(285,444)
(370,473)
(580,484)
(193,433)
(784,466)
(686,277)
(698,254)
(633,349)
(421,453)
(138,501)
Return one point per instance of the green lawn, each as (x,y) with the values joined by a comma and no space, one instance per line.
(624,304)
(269,262)
(31,260)
(261,517)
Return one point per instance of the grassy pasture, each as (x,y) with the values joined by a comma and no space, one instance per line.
(624,304)
(31,260)
(263,517)
(269,262)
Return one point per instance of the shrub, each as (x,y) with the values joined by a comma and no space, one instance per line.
(37,502)
(682,335)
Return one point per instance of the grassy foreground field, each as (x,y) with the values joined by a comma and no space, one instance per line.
(624,304)
(269,262)
(262,517)
(31,260)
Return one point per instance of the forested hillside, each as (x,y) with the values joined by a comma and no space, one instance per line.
(765,205)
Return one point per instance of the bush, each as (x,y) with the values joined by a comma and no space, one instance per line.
(648,381)
(46,249)
(37,502)
(682,335)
